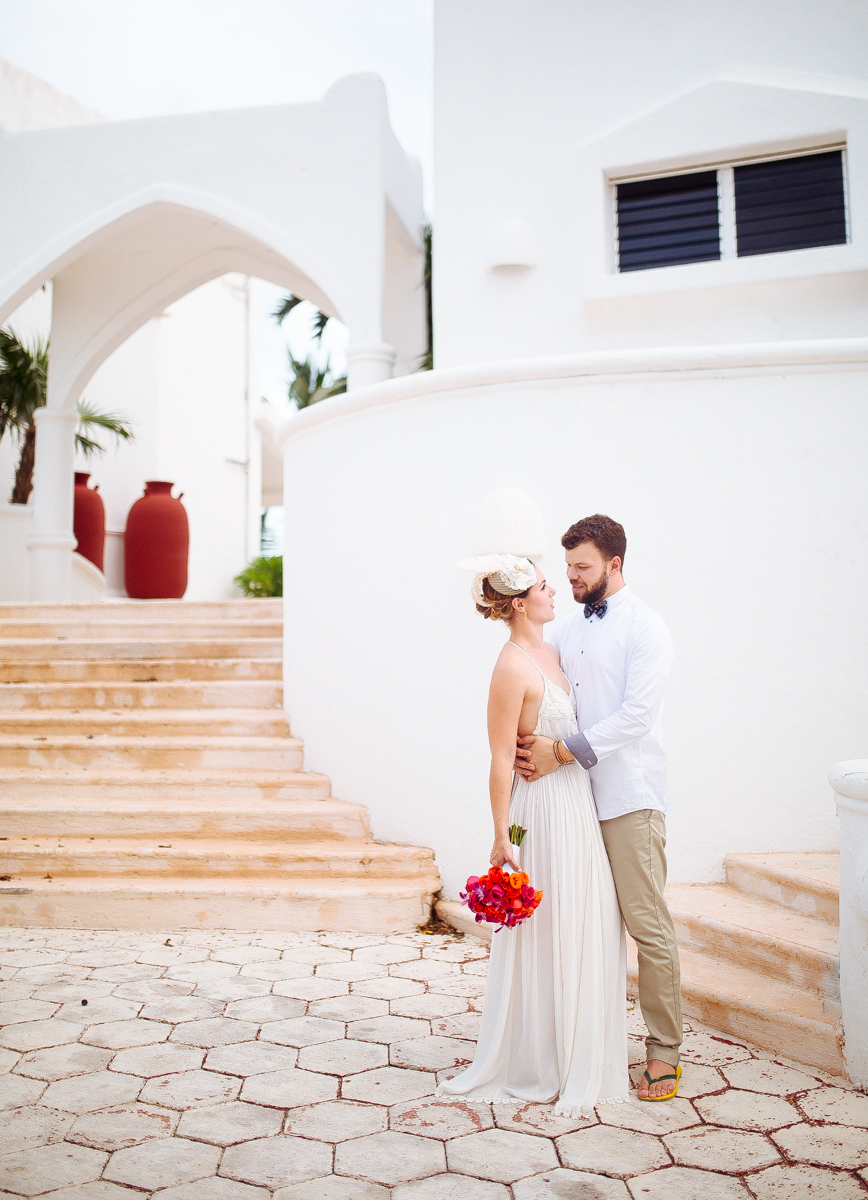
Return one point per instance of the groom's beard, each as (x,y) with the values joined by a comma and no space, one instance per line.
(595,594)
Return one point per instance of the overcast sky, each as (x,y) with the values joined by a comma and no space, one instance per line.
(142,58)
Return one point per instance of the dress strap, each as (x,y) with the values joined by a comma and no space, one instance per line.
(530,660)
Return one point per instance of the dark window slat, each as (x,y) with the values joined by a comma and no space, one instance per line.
(665,222)
(790,204)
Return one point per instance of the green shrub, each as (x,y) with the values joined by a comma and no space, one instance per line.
(264,577)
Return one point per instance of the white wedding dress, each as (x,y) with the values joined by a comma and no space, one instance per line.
(554,1020)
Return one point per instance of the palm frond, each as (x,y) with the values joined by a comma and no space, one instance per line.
(90,418)
(311,383)
(23,380)
(319,323)
(285,307)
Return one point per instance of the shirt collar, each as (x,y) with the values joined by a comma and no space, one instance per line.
(618,598)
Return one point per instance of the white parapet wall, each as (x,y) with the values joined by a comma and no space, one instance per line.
(16,524)
(738,473)
(850,783)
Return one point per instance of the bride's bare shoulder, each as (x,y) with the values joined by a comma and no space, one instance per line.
(512,669)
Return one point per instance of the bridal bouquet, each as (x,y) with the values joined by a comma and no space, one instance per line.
(501,898)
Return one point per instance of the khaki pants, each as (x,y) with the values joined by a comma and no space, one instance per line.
(636,845)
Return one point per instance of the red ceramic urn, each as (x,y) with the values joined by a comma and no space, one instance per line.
(156,543)
(88,520)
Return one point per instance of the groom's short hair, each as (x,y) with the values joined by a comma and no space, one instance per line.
(607,535)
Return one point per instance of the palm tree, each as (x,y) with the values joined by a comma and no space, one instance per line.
(310,383)
(23,380)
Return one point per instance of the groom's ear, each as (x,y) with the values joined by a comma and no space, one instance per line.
(615,563)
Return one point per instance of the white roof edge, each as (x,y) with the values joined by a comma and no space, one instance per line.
(585,367)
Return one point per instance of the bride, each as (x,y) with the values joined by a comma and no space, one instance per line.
(554,1020)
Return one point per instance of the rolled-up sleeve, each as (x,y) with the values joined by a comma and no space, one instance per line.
(649,666)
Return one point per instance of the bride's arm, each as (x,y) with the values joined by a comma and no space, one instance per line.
(505,700)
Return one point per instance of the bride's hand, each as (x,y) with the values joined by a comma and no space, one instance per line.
(503,854)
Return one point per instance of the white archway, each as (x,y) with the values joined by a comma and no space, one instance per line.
(128,217)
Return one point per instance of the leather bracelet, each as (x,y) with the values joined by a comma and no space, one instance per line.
(558,753)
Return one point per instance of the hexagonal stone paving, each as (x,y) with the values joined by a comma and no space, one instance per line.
(302,1031)
(85,1093)
(31,1172)
(24,1128)
(538,1119)
(450,1186)
(225,1124)
(836,1105)
(428,1006)
(104,1008)
(607,1150)
(761,1076)
(18,1090)
(218,1031)
(333,1187)
(61,1062)
(388,988)
(117,1035)
(500,1155)
(127,1125)
(343,1057)
(213,1188)
(311,989)
(563,1184)
(265,1008)
(440,1117)
(388,1029)
(812,1183)
(336,1120)
(190,1089)
(389,1158)
(13,1012)
(727,1150)
(35,1035)
(289,1089)
(712,1050)
(747,1110)
(827,1145)
(273,1162)
(649,1118)
(181,1008)
(251,1058)
(163,1163)
(349,1008)
(389,1085)
(684,1183)
(162,1059)
(431,1053)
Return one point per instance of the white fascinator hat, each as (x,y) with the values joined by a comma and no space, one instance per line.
(509,542)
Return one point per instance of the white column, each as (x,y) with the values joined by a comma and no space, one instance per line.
(52,543)
(850,782)
(369,362)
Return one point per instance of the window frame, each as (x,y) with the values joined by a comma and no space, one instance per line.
(725,202)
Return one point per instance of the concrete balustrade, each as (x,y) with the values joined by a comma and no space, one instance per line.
(850,783)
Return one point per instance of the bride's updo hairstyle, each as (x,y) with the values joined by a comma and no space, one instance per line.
(499,579)
(498,607)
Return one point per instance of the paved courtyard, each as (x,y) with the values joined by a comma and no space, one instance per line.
(212,1066)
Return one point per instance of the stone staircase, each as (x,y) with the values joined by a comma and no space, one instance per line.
(759,953)
(148,779)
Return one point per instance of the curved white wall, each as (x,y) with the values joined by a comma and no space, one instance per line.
(739,475)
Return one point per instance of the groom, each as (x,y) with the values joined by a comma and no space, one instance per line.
(617,653)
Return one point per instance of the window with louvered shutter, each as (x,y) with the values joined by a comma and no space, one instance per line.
(662,222)
(790,204)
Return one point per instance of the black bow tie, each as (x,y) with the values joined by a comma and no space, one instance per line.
(596,610)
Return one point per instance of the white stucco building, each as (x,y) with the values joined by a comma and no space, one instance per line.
(709,395)
(715,407)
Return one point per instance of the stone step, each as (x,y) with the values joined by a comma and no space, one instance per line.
(776,1016)
(28,724)
(133,629)
(52,650)
(138,670)
(138,858)
(774,941)
(166,818)
(223,693)
(187,611)
(278,754)
(254,904)
(806,882)
(172,785)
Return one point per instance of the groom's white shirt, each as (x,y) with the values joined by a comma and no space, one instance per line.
(619,665)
